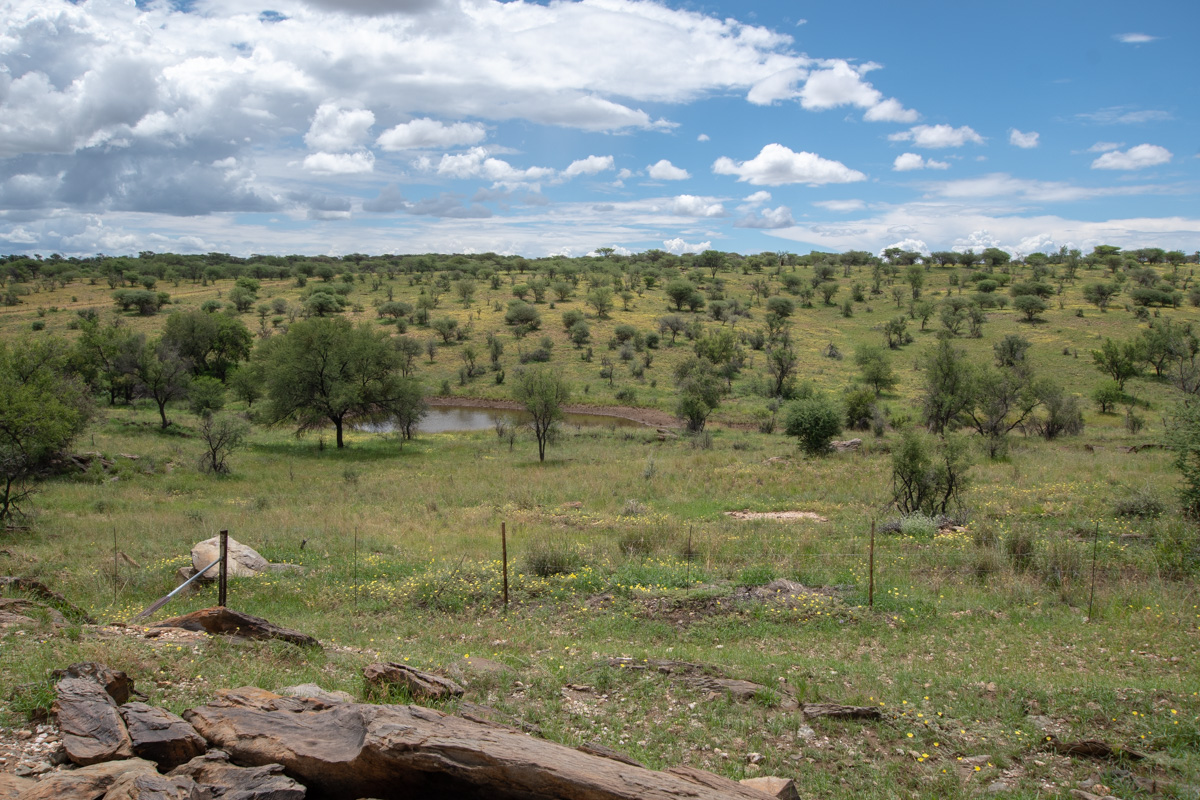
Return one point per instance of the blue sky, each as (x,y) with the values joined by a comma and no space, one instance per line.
(335,126)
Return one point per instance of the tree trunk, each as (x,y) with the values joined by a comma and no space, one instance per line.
(162,412)
(337,424)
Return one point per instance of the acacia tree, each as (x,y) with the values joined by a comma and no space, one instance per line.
(43,406)
(162,375)
(543,393)
(327,370)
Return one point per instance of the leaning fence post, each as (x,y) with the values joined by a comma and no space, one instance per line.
(504,559)
(871,569)
(223,574)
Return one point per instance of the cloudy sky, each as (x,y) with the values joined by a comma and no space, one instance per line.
(408,126)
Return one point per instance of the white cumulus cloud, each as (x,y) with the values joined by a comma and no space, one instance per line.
(589,166)
(679,246)
(1026,141)
(335,128)
(689,205)
(776,165)
(432,134)
(839,83)
(906,162)
(937,136)
(664,170)
(1138,157)
(340,163)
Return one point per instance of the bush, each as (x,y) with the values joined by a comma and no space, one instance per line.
(547,558)
(919,526)
(929,475)
(1020,548)
(1106,396)
(814,421)
(1140,503)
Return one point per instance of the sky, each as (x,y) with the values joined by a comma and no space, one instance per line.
(546,128)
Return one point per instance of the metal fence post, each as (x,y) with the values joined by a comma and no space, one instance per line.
(223,575)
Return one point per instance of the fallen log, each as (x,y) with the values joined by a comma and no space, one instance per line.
(394,752)
(1092,748)
(39,589)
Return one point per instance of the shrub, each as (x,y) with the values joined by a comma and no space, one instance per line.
(919,526)
(547,558)
(929,475)
(1140,503)
(1020,548)
(814,422)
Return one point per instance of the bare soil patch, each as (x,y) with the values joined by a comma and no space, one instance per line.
(785,516)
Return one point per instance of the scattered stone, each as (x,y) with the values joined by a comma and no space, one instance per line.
(160,736)
(995,787)
(422,685)
(847,446)
(219,620)
(780,788)
(316,693)
(243,561)
(114,682)
(357,750)
(92,729)
(213,771)
(185,574)
(804,733)
(86,783)
(716,782)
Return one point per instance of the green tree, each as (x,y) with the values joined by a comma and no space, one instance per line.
(1030,305)
(247,382)
(326,370)
(1118,361)
(43,407)
(221,434)
(929,474)
(875,367)
(543,393)
(213,343)
(698,387)
(161,374)
(679,290)
(814,421)
(601,299)
(947,388)
(1100,294)
(205,396)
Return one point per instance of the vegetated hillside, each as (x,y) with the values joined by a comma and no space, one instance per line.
(1062,607)
(643,313)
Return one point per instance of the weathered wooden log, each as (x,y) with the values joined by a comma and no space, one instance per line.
(355,750)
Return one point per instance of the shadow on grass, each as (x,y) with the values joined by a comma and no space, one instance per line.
(358,452)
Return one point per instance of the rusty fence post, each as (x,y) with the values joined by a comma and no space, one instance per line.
(504,559)
(223,574)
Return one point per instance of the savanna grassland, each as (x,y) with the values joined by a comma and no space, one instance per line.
(1059,600)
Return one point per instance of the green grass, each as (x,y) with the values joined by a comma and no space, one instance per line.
(968,641)
(401,557)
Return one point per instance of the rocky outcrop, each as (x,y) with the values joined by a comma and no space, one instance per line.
(87,783)
(92,728)
(420,685)
(160,736)
(355,750)
(213,771)
(220,620)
